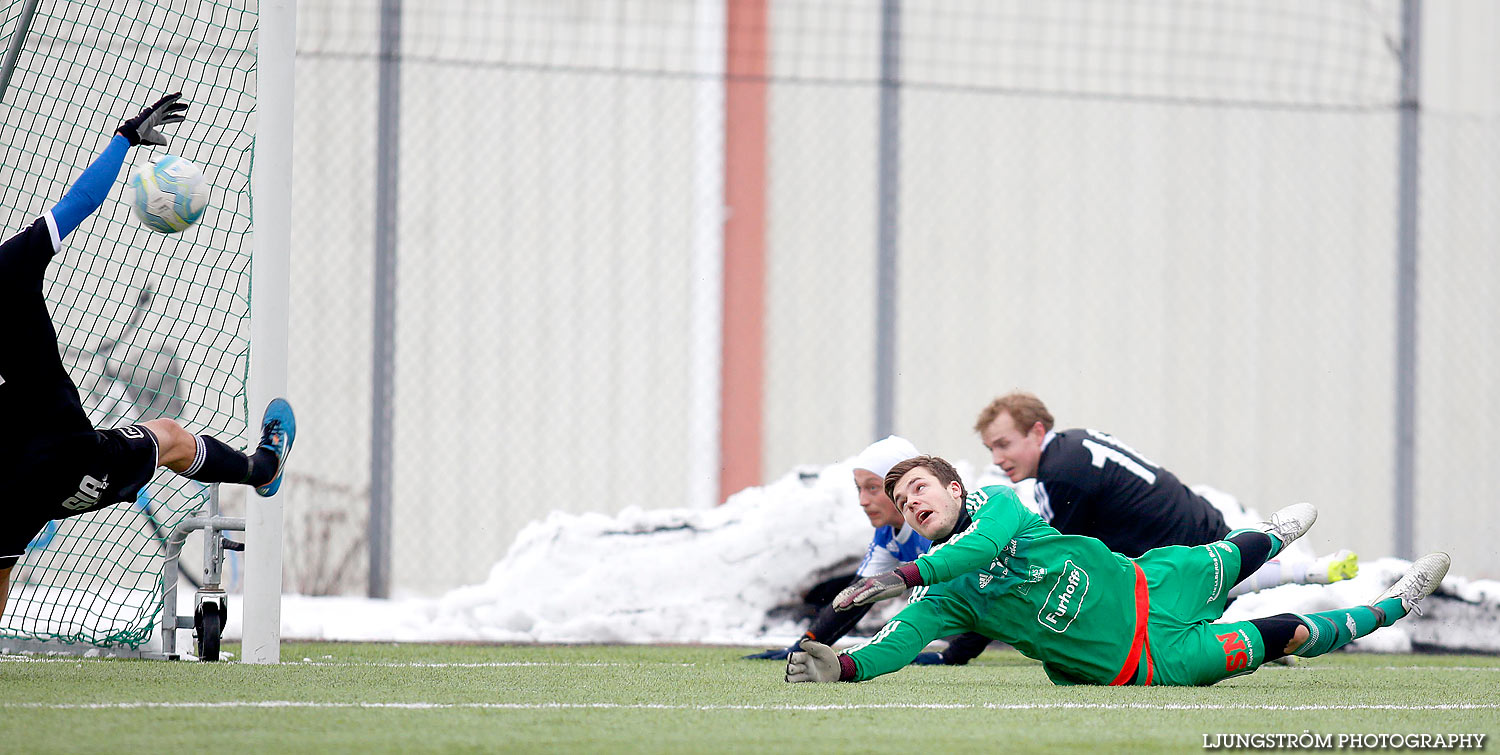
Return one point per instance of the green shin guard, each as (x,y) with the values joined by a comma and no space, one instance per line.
(1331,630)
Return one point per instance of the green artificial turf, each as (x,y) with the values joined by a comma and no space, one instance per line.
(396,698)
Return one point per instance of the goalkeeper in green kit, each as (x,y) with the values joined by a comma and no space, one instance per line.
(1089,615)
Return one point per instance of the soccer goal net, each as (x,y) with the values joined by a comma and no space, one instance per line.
(150,325)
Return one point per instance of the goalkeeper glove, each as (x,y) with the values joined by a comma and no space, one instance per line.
(879,587)
(815,662)
(142,128)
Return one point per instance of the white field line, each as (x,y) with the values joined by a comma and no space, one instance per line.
(1383,668)
(494,664)
(635,664)
(306,662)
(770,707)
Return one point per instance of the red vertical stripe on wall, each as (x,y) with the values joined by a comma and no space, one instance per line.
(744,247)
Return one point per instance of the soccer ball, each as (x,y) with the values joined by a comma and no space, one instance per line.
(168,194)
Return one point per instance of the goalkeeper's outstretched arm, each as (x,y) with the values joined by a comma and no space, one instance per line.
(892,648)
(92,188)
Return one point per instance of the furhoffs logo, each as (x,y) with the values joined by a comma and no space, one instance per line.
(1065,600)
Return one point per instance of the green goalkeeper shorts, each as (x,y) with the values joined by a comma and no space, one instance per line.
(1206,653)
(1189,587)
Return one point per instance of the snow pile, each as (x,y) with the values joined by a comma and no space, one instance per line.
(726,576)
(665,575)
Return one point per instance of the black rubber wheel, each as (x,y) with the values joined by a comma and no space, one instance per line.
(210,629)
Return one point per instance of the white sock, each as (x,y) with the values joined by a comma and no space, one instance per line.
(1291,571)
(1270,574)
(198,456)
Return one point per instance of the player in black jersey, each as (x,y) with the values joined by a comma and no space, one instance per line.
(1089,483)
(54,463)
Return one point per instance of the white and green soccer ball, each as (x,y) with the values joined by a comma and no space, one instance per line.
(168,194)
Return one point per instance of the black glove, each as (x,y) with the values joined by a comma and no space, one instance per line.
(928,659)
(814,662)
(774,654)
(142,128)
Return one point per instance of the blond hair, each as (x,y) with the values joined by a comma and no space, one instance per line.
(1025,410)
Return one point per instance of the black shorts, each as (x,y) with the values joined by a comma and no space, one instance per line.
(68,475)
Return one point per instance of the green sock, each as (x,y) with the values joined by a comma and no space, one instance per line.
(1331,630)
(1393,610)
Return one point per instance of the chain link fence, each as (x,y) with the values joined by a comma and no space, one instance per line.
(1175,221)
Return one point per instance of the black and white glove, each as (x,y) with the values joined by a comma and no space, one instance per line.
(142,128)
(815,662)
(877,588)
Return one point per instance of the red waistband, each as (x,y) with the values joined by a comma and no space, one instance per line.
(1138,646)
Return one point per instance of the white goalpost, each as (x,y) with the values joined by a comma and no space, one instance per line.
(189,326)
(272,183)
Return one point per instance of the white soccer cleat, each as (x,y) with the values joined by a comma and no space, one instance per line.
(1290,523)
(1420,580)
(1334,567)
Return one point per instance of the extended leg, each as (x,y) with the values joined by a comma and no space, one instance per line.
(4,588)
(1282,633)
(1336,566)
(208,459)
(1260,544)
(1331,630)
(1210,653)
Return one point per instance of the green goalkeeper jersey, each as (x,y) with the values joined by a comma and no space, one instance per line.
(1065,600)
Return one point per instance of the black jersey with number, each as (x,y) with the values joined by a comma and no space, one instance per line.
(1089,483)
(36,394)
(54,463)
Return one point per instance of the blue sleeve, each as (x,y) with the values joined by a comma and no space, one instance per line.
(877,559)
(915,546)
(91,188)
